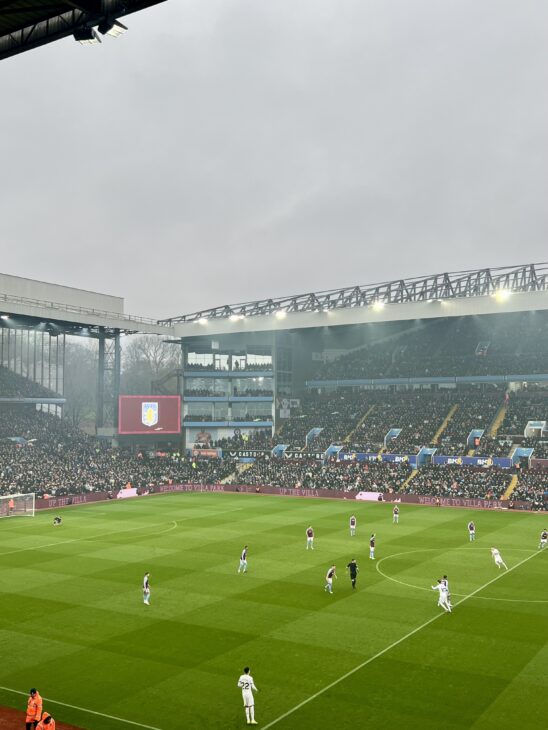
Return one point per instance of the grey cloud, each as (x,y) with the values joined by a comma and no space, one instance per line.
(229,150)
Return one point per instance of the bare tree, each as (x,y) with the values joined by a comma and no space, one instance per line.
(80,380)
(145,359)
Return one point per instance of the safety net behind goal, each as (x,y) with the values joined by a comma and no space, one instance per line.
(17,505)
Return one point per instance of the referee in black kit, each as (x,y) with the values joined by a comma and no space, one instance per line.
(354,570)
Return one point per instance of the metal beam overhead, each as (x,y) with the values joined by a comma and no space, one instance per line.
(437,287)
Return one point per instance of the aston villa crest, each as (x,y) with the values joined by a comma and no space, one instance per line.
(149,414)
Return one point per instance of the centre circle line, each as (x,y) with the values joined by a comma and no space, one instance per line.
(459,595)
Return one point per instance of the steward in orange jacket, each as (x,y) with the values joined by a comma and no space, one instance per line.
(34,709)
(47,722)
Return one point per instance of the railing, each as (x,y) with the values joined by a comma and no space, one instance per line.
(75,309)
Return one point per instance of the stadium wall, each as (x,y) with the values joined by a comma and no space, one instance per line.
(79,499)
(17,286)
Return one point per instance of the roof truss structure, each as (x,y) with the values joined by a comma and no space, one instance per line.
(437,287)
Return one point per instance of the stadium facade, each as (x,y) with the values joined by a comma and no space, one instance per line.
(246,367)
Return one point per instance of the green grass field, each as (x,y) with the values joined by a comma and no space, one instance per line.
(73,624)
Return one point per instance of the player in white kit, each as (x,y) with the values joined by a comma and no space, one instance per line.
(352,526)
(498,558)
(146,589)
(243,561)
(443,598)
(543,539)
(445,583)
(246,684)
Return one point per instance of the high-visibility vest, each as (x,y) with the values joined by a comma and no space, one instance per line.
(49,726)
(34,708)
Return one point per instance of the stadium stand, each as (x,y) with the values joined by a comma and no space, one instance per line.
(49,456)
(345,476)
(519,344)
(533,487)
(13,385)
(262,439)
(337,415)
(460,481)
(528,405)
(475,411)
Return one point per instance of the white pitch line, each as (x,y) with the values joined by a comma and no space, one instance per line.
(441,550)
(88,539)
(85,709)
(391,646)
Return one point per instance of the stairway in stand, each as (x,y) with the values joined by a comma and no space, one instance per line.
(409,478)
(513,484)
(349,436)
(445,423)
(497,420)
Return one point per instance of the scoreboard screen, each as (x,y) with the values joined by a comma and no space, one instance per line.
(149,414)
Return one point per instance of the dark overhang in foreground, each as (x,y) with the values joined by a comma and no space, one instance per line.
(28,24)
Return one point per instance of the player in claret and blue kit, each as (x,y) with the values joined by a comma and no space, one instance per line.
(329,579)
(372,547)
(472,531)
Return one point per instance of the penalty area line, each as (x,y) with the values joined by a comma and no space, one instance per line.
(85,710)
(392,645)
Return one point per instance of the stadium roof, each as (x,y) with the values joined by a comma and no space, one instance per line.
(27,24)
(463,293)
(501,282)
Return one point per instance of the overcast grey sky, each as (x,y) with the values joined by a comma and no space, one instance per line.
(224,150)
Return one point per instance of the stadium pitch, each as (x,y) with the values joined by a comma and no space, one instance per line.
(74,625)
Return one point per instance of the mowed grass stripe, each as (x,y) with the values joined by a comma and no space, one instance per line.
(206,621)
(393,645)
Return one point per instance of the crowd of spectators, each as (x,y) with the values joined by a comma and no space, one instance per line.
(13,385)
(261,439)
(223,366)
(344,476)
(238,393)
(533,487)
(540,446)
(247,417)
(526,405)
(494,446)
(495,345)
(475,411)
(417,414)
(337,415)
(460,481)
(41,453)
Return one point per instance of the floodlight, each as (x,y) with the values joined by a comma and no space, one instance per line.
(112,28)
(202,320)
(234,318)
(377,306)
(280,314)
(86,36)
(501,295)
(4,316)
